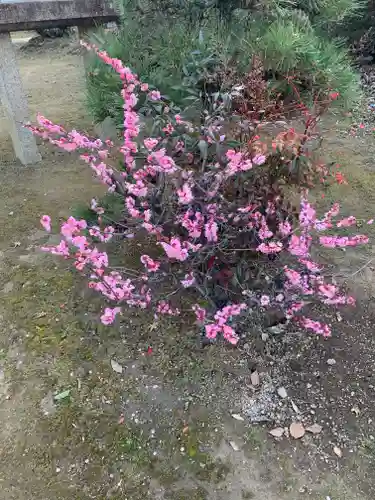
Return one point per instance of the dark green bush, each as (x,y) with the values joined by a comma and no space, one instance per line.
(180,45)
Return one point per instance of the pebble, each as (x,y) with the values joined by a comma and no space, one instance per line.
(234,446)
(331,361)
(281,391)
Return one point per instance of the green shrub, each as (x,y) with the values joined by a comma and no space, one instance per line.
(179,53)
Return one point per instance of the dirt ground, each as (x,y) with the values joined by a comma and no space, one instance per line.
(72,427)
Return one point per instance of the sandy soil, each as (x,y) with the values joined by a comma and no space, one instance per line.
(163,428)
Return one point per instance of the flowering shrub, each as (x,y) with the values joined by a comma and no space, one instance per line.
(215,210)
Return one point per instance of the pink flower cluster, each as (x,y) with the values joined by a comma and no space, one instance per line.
(222,317)
(195,224)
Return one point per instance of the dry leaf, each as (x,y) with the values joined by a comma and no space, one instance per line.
(254,377)
(116,367)
(337,451)
(314,429)
(277,432)
(238,417)
(296,430)
(62,395)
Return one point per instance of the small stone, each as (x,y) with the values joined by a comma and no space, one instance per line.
(295,407)
(331,361)
(281,391)
(254,377)
(234,446)
(337,451)
(238,417)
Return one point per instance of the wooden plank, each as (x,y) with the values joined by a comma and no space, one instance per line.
(27,15)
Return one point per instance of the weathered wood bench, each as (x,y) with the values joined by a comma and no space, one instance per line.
(21,15)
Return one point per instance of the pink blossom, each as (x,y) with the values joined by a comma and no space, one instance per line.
(80,242)
(200,313)
(165,162)
(259,159)
(45,221)
(168,129)
(61,249)
(144,87)
(345,241)
(174,250)
(154,95)
(185,195)
(294,308)
(230,335)
(315,326)
(307,214)
(311,266)
(108,233)
(188,281)
(225,314)
(164,307)
(72,227)
(193,223)
(285,228)
(109,315)
(137,189)
(349,221)
(294,277)
(264,300)
(150,143)
(299,245)
(212,330)
(328,291)
(371,221)
(270,248)
(264,232)
(150,264)
(210,231)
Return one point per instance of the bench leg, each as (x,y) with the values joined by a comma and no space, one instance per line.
(15,104)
